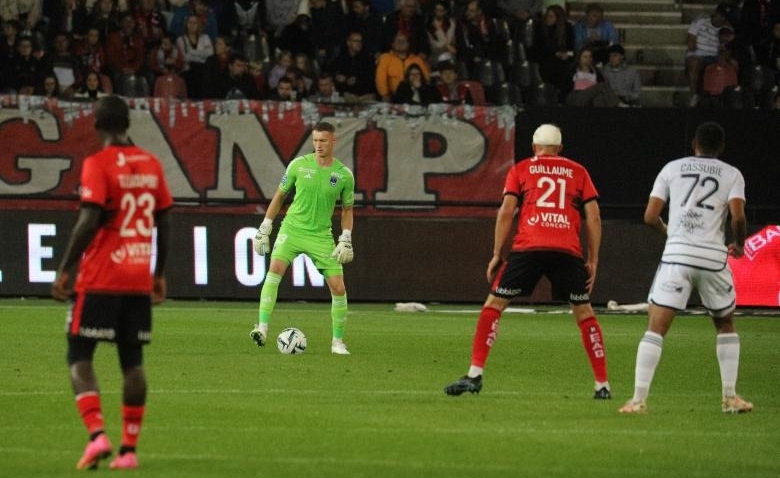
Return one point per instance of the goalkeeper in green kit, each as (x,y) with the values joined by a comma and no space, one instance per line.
(320,181)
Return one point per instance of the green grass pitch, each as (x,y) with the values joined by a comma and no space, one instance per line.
(219,406)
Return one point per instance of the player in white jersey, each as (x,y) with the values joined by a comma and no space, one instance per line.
(702,192)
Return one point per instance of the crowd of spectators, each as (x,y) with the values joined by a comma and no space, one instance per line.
(356,51)
(733,55)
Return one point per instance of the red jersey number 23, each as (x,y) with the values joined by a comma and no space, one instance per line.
(138,215)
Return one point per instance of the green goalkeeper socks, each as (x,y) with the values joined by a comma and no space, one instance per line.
(338,313)
(268,297)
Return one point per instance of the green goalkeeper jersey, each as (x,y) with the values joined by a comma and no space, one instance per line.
(317,190)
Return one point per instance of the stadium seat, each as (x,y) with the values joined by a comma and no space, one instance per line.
(760,77)
(765,97)
(519,53)
(505,94)
(477,92)
(544,94)
(170,85)
(490,73)
(256,49)
(762,86)
(737,98)
(133,86)
(522,74)
(462,70)
(716,78)
(536,75)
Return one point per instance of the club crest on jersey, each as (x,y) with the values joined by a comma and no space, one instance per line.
(119,255)
(333,179)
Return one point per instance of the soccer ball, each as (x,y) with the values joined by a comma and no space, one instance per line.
(291,341)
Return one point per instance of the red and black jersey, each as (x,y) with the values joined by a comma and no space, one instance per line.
(129,185)
(551,191)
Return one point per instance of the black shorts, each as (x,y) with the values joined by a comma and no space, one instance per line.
(523,270)
(111,317)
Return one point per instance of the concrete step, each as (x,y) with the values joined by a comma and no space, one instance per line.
(703,4)
(652,34)
(664,96)
(691,10)
(659,55)
(627,5)
(644,18)
(653,75)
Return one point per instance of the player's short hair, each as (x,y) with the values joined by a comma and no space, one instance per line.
(112,114)
(710,137)
(324,126)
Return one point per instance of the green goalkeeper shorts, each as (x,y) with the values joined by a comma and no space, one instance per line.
(289,244)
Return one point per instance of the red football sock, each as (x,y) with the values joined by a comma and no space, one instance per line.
(594,346)
(131,424)
(88,404)
(487,330)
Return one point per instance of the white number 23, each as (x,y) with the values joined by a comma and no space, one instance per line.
(142,225)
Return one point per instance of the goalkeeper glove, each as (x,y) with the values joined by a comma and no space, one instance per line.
(343,251)
(261,241)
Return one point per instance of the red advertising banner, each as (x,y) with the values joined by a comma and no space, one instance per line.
(757,273)
(228,156)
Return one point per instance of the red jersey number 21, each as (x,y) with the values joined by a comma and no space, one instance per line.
(138,215)
(547,199)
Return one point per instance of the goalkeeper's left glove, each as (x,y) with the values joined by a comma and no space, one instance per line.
(343,251)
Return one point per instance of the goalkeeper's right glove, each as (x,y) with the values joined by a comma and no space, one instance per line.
(262,241)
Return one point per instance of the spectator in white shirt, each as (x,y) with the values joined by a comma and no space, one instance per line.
(703,43)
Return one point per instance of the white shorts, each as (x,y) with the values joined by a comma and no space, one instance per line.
(673,284)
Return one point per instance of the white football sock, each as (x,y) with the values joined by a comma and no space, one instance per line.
(727,350)
(474,371)
(648,355)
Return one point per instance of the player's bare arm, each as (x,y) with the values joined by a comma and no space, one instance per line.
(276,204)
(84,231)
(655,206)
(593,235)
(262,242)
(347,218)
(504,221)
(738,226)
(343,252)
(159,285)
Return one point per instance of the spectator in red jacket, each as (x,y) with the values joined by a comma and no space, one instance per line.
(451,90)
(125,57)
